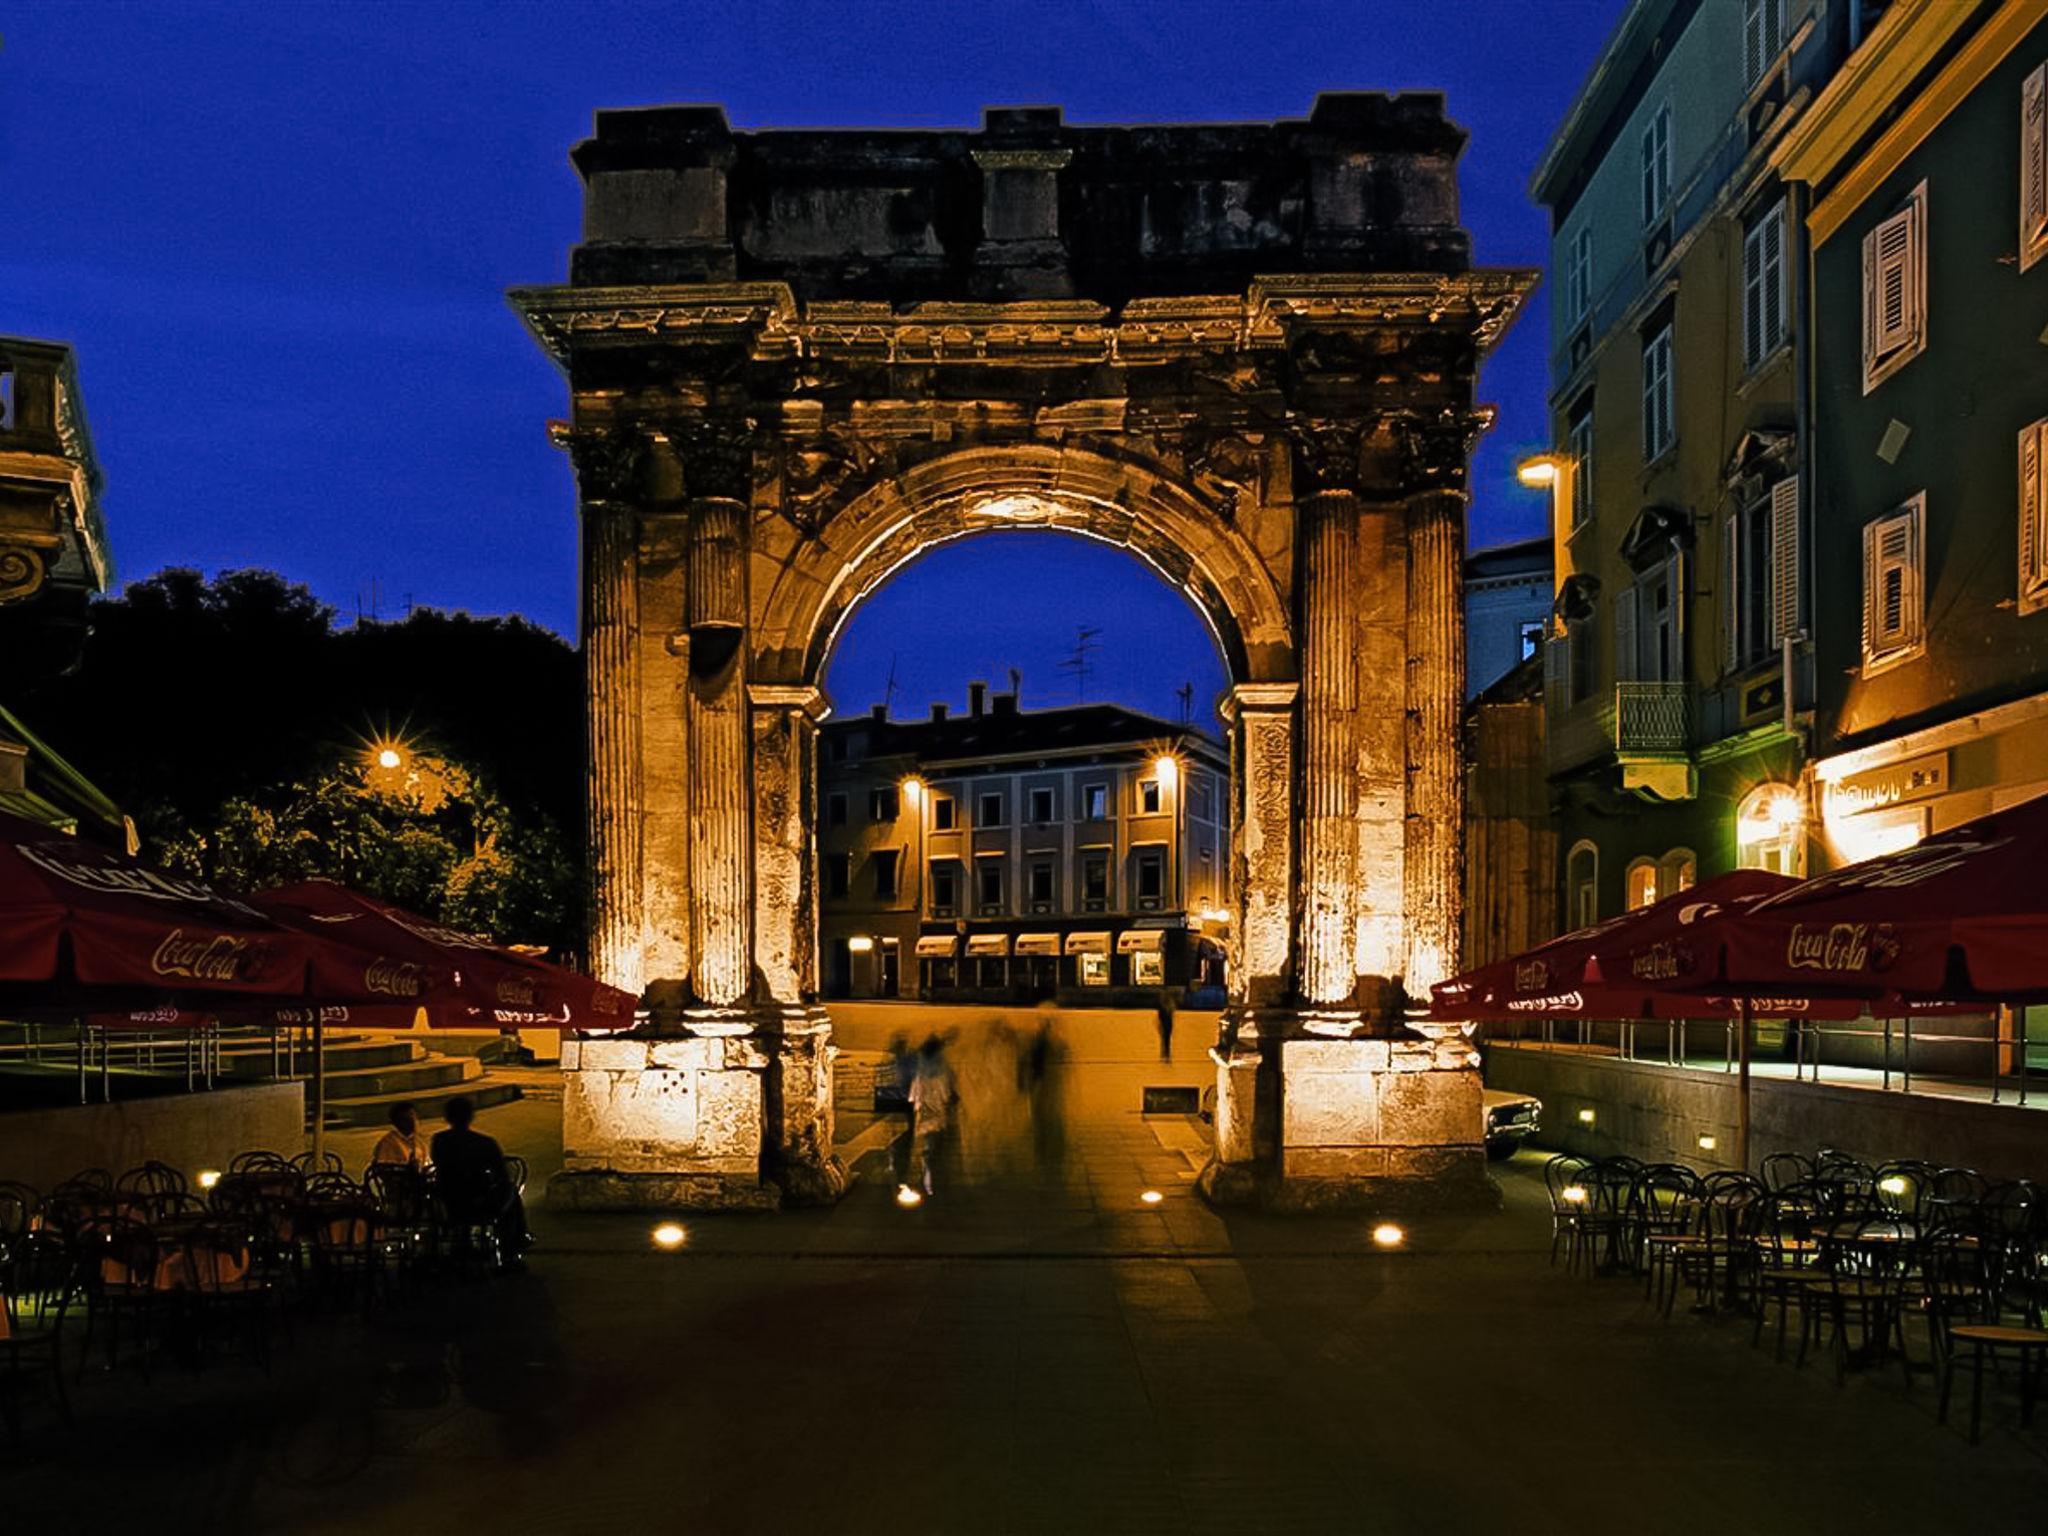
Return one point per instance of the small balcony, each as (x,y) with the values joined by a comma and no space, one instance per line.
(1652,719)
(1645,728)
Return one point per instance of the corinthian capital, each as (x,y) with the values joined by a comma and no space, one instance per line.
(1436,448)
(1327,456)
(608,460)
(717,458)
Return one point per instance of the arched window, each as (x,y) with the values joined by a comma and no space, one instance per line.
(1677,871)
(1582,885)
(1640,887)
(1770,830)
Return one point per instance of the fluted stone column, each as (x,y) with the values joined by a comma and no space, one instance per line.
(1329,704)
(1436,783)
(612,702)
(785,895)
(721,842)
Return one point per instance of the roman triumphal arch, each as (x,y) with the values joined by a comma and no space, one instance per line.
(1244,352)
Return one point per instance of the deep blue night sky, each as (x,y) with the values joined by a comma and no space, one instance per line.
(279,236)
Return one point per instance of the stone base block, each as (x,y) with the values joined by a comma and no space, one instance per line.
(597,1189)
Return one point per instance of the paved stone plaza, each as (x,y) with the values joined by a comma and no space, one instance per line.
(1035,1350)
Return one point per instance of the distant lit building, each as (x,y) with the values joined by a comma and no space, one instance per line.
(1007,855)
(1507,609)
(53,560)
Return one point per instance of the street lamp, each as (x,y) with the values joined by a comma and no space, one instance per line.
(1537,473)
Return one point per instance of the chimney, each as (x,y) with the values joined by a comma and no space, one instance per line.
(977,694)
(938,714)
(879,714)
(1005,704)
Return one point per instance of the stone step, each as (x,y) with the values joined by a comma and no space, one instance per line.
(349,1055)
(420,1077)
(484,1092)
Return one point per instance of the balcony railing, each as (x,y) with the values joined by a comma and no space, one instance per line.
(1652,718)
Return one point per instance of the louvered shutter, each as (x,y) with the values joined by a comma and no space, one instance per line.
(1557,671)
(1870,600)
(1625,644)
(1753,296)
(1731,592)
(1674,572)
(1752,40)
(1894,601)
(2033,513)
(1895,295)
(1772,259)
(2033,166)
(1784,559)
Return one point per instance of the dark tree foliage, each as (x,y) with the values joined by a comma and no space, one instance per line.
(232,719)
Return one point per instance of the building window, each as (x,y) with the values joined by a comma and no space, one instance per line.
(1041,806)
(1148,797)
(1578,276)
(883,861)
(1093,970)
(1148,968)
(1641,883)
(1656,165)
(945,888)
(1580,433)
(1894,591)
(1763,287)
(1770,830)
(1895,291)
(836,748)
(1095,882)
(990,812)
(988,885)
(2034,167)
(1763,37)
(1677,871)
(1582,885)
(883,804)
(1151,877)
(1039,881)
(838,866)
(1760,550)
(835,809)
(945,813)
(1095,802)
(1658,431)
(1532,633)
(2034,517)
(1198,795)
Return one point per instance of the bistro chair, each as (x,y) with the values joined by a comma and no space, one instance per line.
(36,1291)
(226,1289)
(118,1260)
(404,1199)
(1567,1196)
(327,1162)
(343,1237)
(253,1162)
(1605,1213)
(1720,1264)
(1784,1267)
(1981,1339)
(1954,1190)
(19,1208)
(1865,1289)
(151,1180)
(1784,1168)
(1665,1217)
(1955,1285)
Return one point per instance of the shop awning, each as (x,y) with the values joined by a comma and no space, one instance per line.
(1038,943)
(1139,941)
(938,946)
(1087,943)
(988,944)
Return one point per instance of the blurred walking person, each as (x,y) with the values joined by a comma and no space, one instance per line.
(934,1106)
(1164,1013)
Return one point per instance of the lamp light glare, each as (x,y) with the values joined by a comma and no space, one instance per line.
(669,1235)
(859,944)
(388,757)
(1708,1143)
(1151,1197)
(208,1177)
(1586,1117)
(1166,769)
(1536,473)
(1575,1194)
(1387,1235)
(913,787)
(1893,1185)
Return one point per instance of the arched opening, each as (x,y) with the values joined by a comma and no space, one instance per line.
(1023,786)
(1770,830)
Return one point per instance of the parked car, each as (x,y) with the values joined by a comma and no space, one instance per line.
(1509,1118)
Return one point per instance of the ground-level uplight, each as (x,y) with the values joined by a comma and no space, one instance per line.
(908,1197)
(669,1235)
(1585,1117)
(1151,1197)
(1387,1235)
(208,1177)
(1574,1194)
(1708,1143)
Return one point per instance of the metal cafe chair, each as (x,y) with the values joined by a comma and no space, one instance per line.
(1982,1339)
(1781,1169)
(1866,1293)
(37,1288)
(1785,1265)
(118,1260)
(1567,1195)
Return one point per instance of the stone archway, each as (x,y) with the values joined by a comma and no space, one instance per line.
(798,359)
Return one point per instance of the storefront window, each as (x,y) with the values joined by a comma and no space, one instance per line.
(1094,970)
(1770,830)
(1148,968)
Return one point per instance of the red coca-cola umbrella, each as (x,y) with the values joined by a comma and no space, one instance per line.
(84,925)
(1960,917)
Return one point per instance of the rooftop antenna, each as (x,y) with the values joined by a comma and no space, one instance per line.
(1085,644)
(889,688)
(1186,694)
(1017,686)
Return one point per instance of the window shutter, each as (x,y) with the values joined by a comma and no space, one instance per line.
(1896,320)
(1557,671)
(1894,603)
(1869,306)
(1731,592)
(1784,558)
(2033,513)
(1650,171)
(1772,261)
(1753,296)
(2033,167)
(1870,601)
(1752,40)
(1625,645)
(1674,573)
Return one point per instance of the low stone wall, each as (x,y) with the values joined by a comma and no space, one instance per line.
(190,1131)
(1659,1114)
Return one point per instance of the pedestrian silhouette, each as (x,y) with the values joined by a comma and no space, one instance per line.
(1164,1013)
(934,1104)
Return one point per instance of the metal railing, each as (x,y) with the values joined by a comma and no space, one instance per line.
(1652,717)
(1696,1043)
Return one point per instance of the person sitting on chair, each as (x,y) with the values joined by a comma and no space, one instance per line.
(469,1172)
(402,1145)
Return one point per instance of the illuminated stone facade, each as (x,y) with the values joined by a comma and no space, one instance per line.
(1245,353)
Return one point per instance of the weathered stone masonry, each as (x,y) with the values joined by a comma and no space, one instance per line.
(1243,352)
